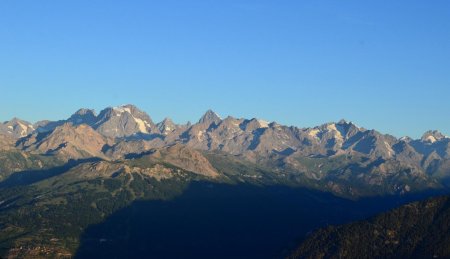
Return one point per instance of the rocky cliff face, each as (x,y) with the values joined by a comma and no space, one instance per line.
(123,121)
(67,141)
(16,128)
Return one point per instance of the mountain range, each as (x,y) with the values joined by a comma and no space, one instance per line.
(327,155)
(59,180)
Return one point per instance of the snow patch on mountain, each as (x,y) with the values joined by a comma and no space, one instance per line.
(337,134)
(24,128)
(389,148)
(263,123)
(121,109)
(313,133)
(141,124)
(430,139)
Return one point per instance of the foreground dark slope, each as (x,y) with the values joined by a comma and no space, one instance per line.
(212,220)
(147,205)
(416,230)
(43,213)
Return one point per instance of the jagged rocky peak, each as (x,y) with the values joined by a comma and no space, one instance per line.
(210,117)
(127,108)
(330,130)
(348,126)
(166,126)
(231,121)
(343,121)
(432,136)
(123,121)
(84,112)
(254,124)
(84,116)
(16,128)
(348,123)
(406,139)
(260,123)
(124,110)
(230,125)
(18,122)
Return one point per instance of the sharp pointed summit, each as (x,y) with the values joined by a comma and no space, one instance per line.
(166,126)
(210,117)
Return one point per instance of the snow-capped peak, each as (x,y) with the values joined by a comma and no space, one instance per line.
(263,123)
(430,139)
(122,109)
(405,138)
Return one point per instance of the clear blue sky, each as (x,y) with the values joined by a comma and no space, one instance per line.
(381,64)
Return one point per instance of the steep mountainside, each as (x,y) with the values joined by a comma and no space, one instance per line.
(6,142)
(416,230)
(67,141)
(43,213)
(16,128)
(123,121)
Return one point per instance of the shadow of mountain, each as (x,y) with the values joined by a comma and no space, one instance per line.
(33,176)
(286,152)
(426,149)
(223,221)
(256,138)
(40,136)
(139,155)
(145,136)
